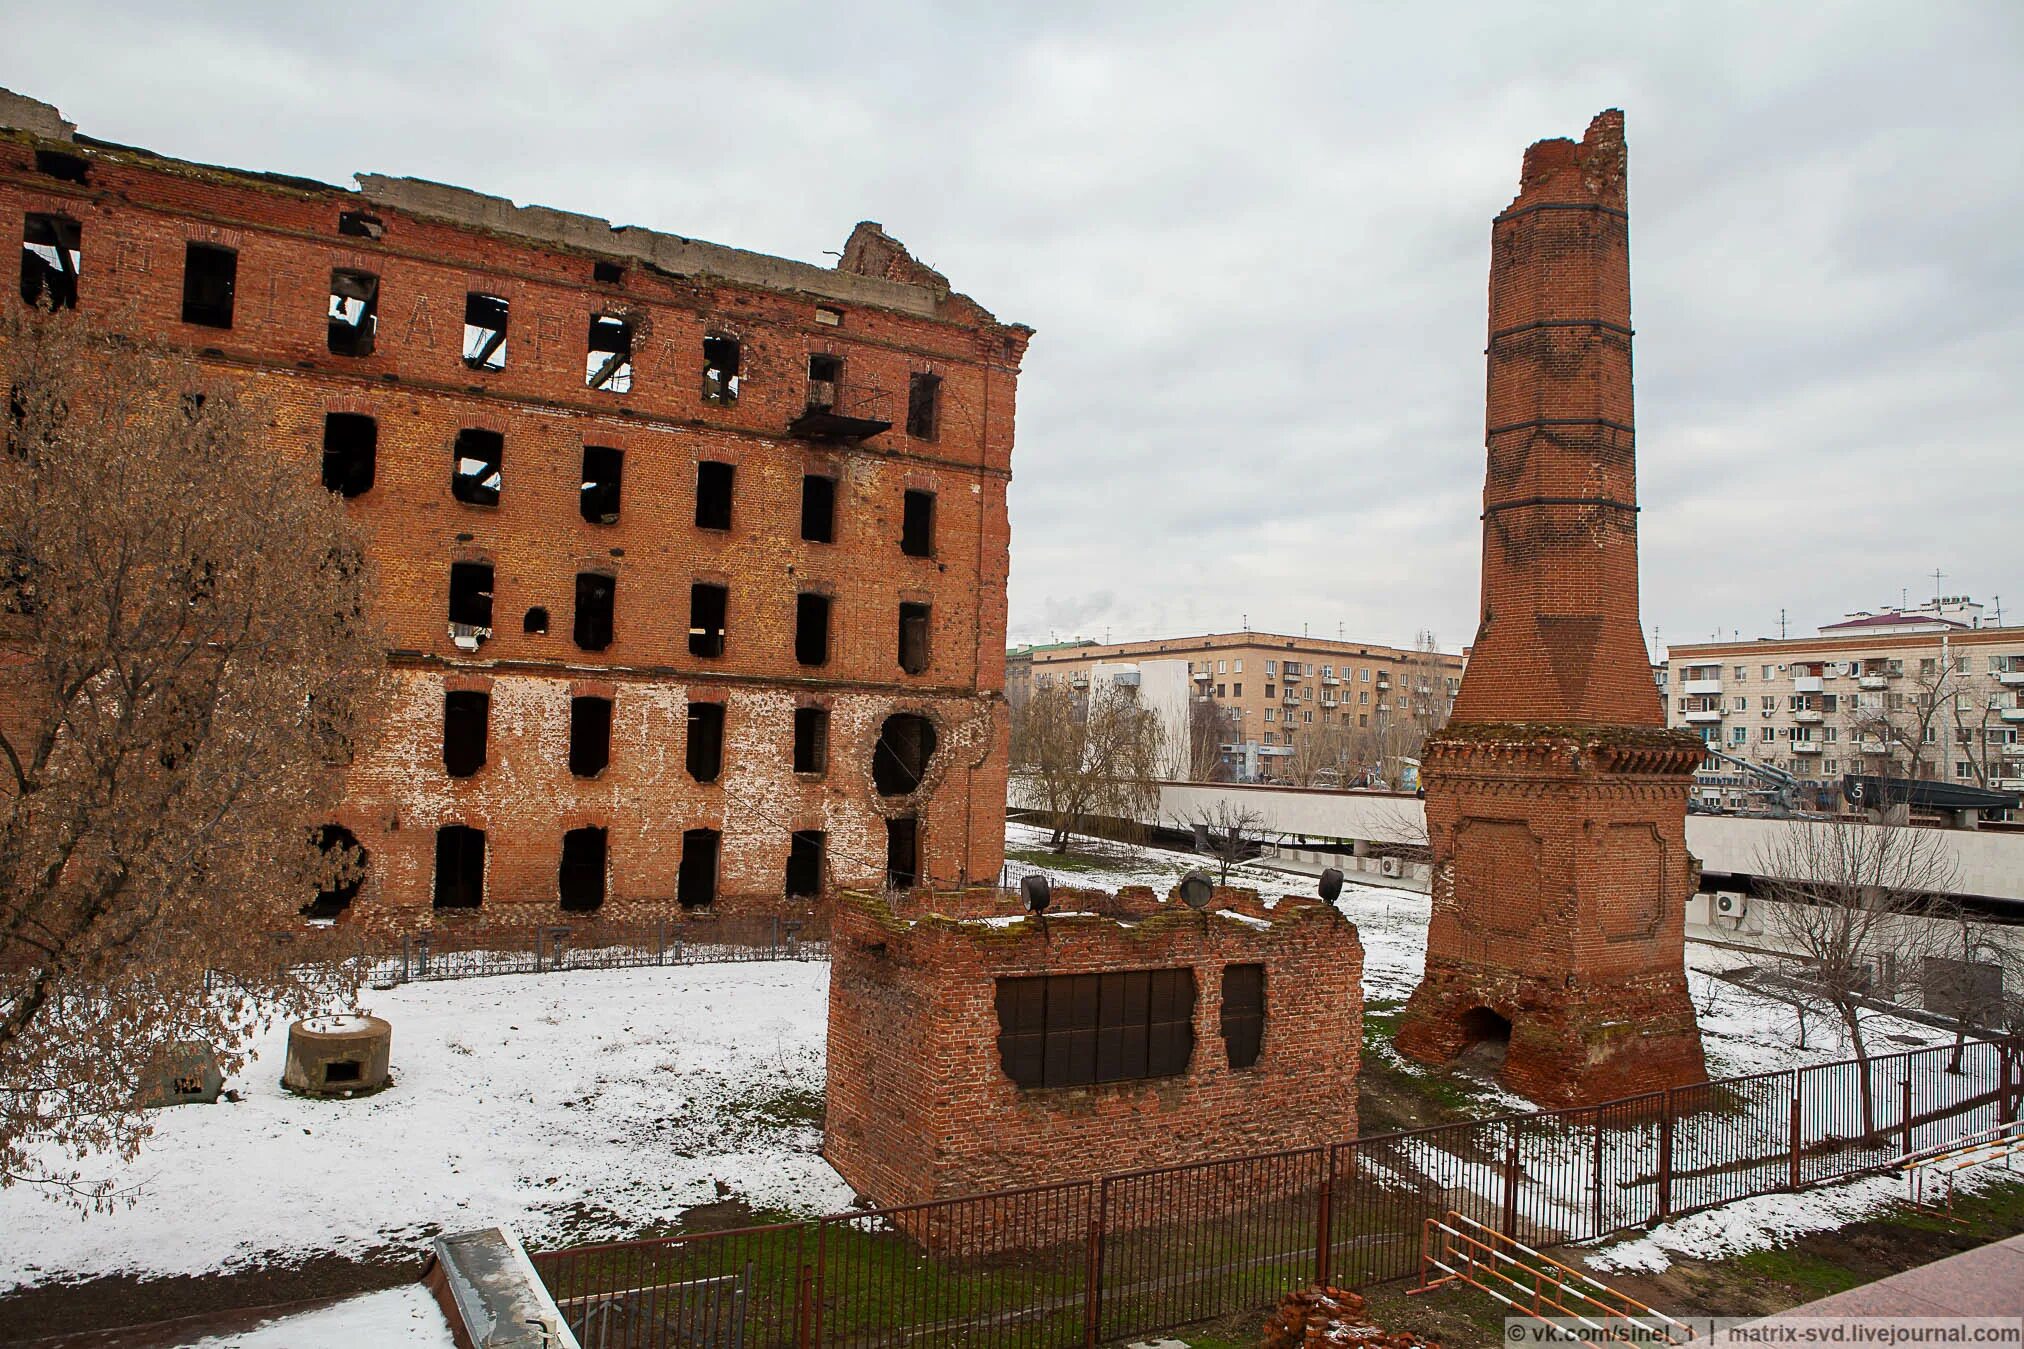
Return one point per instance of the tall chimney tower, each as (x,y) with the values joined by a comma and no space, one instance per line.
(1556,799)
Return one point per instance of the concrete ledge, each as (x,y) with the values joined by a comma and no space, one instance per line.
(488,1288)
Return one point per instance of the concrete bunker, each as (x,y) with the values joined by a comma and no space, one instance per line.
(338,1055)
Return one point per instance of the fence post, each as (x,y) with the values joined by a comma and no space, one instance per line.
(1324,1251)
(660,941)
(2006,1100)
(821,1289)
(773,938)
(404,957)
(1666,1156)
(1092,1297)
(1511,1183)
(422,954)
(540,936)
(1907,1082)
(1596,1174)
(1798,1117)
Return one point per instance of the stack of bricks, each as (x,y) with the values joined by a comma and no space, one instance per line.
(1556,798)
(887,318)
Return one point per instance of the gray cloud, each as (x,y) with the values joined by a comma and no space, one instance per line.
(1254,243)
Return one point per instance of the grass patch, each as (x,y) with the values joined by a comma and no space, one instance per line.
(1068,861)
(1810,1274)
(781,1108)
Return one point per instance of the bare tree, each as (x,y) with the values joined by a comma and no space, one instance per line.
(1855,909)
(1323,756)
(187,663)
(1413,702)
(1208,729)
(1224,830)
(1090,757)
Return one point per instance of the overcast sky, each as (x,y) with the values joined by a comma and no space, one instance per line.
(1254,241)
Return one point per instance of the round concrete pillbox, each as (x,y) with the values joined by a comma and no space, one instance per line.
(339,1055)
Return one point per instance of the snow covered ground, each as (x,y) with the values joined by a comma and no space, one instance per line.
(398,1318)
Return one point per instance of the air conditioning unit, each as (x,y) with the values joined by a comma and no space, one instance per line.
(1732,906)
(1391,866)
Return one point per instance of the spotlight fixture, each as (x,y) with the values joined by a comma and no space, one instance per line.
(1197,889)
(1036,892)
(1331,884)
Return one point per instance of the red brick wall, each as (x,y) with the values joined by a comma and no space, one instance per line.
(138,213)
(920,1107)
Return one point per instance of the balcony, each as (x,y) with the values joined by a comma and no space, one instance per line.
(1877,746)
(1808,716)
(848,414)
(1808,684)
(1331,679)
(1080,681)
(1805,747)
(2011,679)
(2012,715)
(1872,681)
(1289,695)
(1290,675)
(1701,688)
(1704,716)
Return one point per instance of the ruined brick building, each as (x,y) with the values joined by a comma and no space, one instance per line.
(692,560)
(1556,797)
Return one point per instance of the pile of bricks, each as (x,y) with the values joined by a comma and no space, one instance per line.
(1315,1317)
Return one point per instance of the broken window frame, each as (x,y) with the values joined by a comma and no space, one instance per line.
(1080,1030)
(903,852)
(1241,1017)
(63,166)
(696,873)
(709,600)
(596,610)
(811,740)
(924,405)
(589,735)
(50,265)
(716,493)
(486,319)
(352,316)
(825,379)
(460,867)
(807,854)
(902,753)
(812,617)
(477,466)
(703,741)
(467,731)
(608,354)
(602,482)
(818,508)
(471,599)
(582,871)
(915,646)
(350,453)
(210,284)
(917,522)
(361,225)
(723,361)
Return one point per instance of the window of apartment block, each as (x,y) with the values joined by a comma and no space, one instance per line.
(1236,667)
(589,735)
(350,452)
(596,596)
(696,882)
(1243,1016)
(804,863)
(470,603)
(903,853)
(608,362)
(1076,1030)
(477,466)
(460,867)
(1270,691)
(485,331)
(467,715)
(924,397)
(707,605)
(210,274)
(913,644)
(597,497)
(811,629)
(811,740)
(818,508)
(353,312)
(52,253)
(1219,690)
(1271,714)
(720,369)
(1222,667)
(581,877)
(1271,669)
(1236,690)
(713,494)
(705,752)
(917,524)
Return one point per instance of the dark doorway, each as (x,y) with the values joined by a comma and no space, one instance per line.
(597,498)
(899,761)
(589,736)
(350,449)
(582,878)
(913,644)
(696,885)
(818,508)
(804,864)
(811,629)
(713,494)
(706,741)
(460,867)
(903,857)
(466,714)
(811,740)
(708,604)
(596,595)
(917,524)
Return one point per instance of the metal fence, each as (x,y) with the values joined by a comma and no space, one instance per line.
(1088,1262)
(447,953)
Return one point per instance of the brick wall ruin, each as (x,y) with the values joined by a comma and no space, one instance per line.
(874,377)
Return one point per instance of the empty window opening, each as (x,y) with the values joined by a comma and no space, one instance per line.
(460,867)
(470,604)
(903,856)
(913,637)
(67,167)
(924,399)
(589,736)
(811,629)
(598,497)
(1073,1030)
(581,881)
(608,365)
(335,894)
(705,754)
(477,468)
(360,225)
(917,524)
(350,450)
(804,864)
(343,1070)
(714,481)
(720,369)
(535,624)
(811,740)
(354,312)
(899,761)
(595,597)
(52,252)
(607,273)
(485,331)
(467,714)
(696,882)
(1243,1019)
(707,604)
(210,274)
(825,379)
(818,508)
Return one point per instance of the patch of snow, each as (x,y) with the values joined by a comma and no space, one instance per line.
(337,1025)
(395,1318)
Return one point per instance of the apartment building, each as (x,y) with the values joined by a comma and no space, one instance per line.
(1929,691)
(1268,691)
(693,560)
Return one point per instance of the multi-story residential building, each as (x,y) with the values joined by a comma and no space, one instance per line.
(1268,692)
(1924,692)
(692,560)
